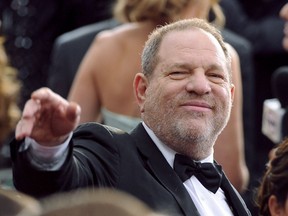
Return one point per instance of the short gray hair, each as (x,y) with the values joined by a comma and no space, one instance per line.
(152,45)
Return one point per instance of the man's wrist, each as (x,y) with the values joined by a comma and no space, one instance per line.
(46,158)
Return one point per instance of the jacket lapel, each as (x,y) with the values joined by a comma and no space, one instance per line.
(162,170)
(233,198)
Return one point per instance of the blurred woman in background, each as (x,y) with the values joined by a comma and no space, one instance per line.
(272,196)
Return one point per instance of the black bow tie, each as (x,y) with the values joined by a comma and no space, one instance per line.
(209,174)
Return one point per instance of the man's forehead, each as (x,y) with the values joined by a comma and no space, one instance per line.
(191,40)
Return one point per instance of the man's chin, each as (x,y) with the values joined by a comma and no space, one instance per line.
(195,125)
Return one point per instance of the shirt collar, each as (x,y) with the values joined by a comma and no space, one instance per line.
(167,152)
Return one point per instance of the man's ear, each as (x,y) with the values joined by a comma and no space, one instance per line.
(140,85)
(274,207)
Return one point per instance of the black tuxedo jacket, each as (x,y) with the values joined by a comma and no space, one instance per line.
(101,156)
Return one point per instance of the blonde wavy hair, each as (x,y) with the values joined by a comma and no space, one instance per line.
(9,92)
(160,11)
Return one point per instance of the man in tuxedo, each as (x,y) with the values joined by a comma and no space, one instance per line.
(185,96)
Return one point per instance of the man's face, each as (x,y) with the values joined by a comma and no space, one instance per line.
(188,98)
(284,15)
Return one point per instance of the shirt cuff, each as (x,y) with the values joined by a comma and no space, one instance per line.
(46,157)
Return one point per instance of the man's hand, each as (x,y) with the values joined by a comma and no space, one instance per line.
(47,118)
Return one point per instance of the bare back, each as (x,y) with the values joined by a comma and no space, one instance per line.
(105,77)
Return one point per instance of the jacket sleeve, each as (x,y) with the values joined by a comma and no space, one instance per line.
(92,161)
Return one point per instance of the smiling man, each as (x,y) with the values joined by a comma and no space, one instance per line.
(185,96)
(191,86)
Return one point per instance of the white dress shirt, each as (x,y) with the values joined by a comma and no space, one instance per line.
(206,202)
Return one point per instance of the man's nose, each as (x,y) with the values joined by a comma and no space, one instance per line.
(198,83)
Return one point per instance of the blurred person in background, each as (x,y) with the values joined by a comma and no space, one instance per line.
(9,113)
(95,202)
(30,28)
(284,16)
(259,22)
(272,194)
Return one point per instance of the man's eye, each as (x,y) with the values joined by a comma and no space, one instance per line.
(216,77)
(220,76)
(178,75)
